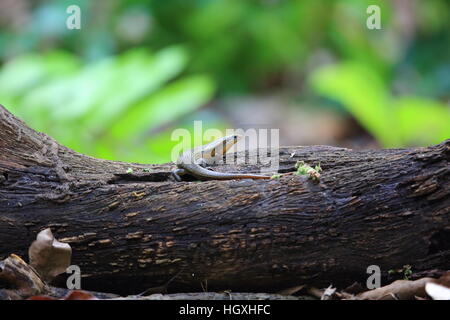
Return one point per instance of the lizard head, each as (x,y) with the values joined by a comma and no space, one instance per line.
(222,145)
(230,141)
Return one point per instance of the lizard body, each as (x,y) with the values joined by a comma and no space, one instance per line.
(191,162)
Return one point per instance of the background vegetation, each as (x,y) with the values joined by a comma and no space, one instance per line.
(138,69)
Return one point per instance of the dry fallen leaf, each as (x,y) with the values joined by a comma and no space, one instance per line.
(80,295)
(73,295)
(328,293)
(444,280)
(291,291)
(49,256)
(437,292)
(355,288)
(398,290)
(21,280)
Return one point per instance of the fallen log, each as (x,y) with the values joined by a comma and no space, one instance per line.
(135,230)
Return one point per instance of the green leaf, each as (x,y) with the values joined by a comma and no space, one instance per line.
(362,92)
(139,74)
(421,121)
(27,71)
(168,104)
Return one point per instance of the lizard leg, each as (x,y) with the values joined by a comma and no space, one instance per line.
(177,173)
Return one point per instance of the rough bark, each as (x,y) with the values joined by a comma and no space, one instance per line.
(137,230)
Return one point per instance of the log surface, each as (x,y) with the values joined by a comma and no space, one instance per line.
(136,230)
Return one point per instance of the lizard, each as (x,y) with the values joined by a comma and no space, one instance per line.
(193,161)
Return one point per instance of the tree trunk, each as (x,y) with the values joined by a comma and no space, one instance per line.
(136,230)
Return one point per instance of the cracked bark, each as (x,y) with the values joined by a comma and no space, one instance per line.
(137,230)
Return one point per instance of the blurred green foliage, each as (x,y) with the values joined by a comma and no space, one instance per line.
(407,120)
(137,69)
(114,101)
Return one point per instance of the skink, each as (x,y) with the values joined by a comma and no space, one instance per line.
(191,162)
